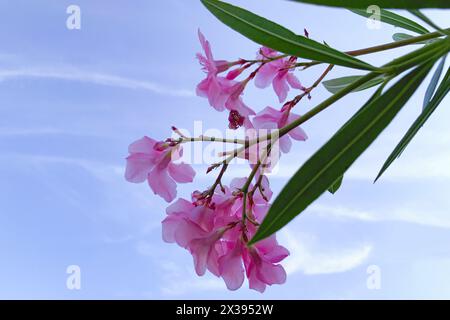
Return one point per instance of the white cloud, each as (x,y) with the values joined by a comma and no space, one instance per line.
(426,217)
(101,170)
(27,131)
(307,256)
(71,74)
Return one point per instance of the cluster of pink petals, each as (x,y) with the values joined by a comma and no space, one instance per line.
(226,93)
(222,92)
(270,118)
(216,236)
(212,226)
(154,161)
(278,72)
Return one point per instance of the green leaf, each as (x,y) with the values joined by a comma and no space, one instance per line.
(432,51)
(333,159)
(363,4)
(272,35)
(434,82)
(394,19)
(403,36)
(334,85)
(441,92)
(425,19)
(336,185)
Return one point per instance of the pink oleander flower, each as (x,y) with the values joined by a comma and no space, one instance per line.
(261,265)
(154,161)
(239,111)
(215,235)
(270,118)
(213,87)
(278,72)
(223,92)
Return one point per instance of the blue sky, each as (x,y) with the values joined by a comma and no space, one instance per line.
(72,101)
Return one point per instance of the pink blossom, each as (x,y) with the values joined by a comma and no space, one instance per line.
(261,265)
(205,252)
(278,72)
(270,118)
(153,161)
(197,229)
(213,87)
(210,65)
(236,104)
(216,90)
(215,235)
(185,222)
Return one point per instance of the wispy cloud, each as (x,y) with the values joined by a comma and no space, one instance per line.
(402,213)
(21,131)
(307,257)
(71,74)
(101,170)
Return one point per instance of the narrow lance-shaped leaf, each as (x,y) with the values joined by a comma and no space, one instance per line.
(425,19)
(441,92)
(272,35)
(434,82)
(332,160)
(394,19)
(334,85)
(400,4)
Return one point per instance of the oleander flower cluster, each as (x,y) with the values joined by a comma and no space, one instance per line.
(216,224)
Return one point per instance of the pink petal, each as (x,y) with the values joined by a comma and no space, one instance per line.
(265,75)
(297,133)
(144,145)
(202,216)
(260,211)
(200,250)
(267,118)
(281,87)
(179,206)
(213,262)
(285,144)
(244,109)
(205,45)
(271,250)
(266,53)
(248,124)
(293,81)
(138,167)
(186,232)
(203,88)
(271,274)
(216,96)
(256,284)
(176,228)
(181,173)
(215,89)
(231,270)
(252,273)
(169,227)
(277,254)
(162,184)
